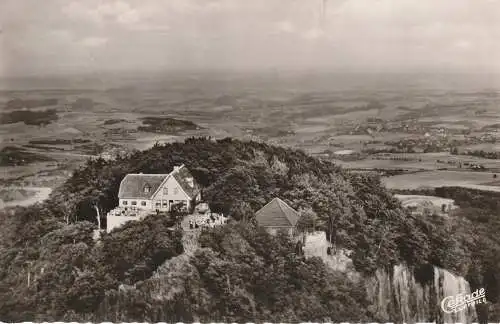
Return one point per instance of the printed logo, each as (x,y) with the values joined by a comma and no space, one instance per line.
(457,303)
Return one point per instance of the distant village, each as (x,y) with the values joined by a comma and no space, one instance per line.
(420,137)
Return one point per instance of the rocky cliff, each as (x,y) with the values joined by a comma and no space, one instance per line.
(397,295)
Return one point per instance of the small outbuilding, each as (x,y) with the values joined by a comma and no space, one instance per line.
(277,216)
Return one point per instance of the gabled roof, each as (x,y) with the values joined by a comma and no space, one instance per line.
(132,186)
(277,213)
(186,181)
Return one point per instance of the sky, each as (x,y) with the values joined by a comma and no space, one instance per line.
(71,36)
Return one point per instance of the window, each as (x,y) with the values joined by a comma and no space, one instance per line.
(165,204)
(143,203)
(124,203)
(134,203)
(147,189)
(158,204)
(176,191)
(165,191)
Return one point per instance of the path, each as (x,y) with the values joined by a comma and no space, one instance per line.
(68,154)
(190,241)
(171,277)
(190,236)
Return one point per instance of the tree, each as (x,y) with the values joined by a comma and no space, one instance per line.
(242,211)
(98,214)
(308,220)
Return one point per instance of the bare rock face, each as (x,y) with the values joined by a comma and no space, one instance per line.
(316,245)
(396,295)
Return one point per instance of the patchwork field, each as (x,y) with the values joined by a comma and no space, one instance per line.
(431,179)
(379,118)
(421,161)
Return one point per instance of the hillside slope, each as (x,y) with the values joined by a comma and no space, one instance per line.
(72,278)
(240,177)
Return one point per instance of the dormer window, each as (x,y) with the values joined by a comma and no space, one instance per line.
(147,189)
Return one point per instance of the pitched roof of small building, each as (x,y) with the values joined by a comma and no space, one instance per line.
(133,185)
(277,213)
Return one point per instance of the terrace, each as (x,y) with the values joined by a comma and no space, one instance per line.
(121,215)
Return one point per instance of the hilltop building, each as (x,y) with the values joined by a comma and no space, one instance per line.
(141,194)
(278,216)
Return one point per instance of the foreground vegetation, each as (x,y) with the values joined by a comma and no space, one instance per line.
(241,273)
(53,271)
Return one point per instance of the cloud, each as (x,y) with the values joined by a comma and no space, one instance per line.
(93,41)
(104,12)
(463,44)
(147,27)
(314,33)
(284,27)
(77,10)
(52,35)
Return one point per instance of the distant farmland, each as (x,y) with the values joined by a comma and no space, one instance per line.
(433,179)
(420,161)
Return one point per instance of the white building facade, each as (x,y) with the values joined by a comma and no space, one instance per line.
(141,194)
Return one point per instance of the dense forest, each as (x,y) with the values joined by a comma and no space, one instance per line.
(166,125)
(15,156)
(479,153)
(37,118)
(52,269)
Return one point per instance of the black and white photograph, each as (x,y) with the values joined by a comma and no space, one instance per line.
(250,161)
